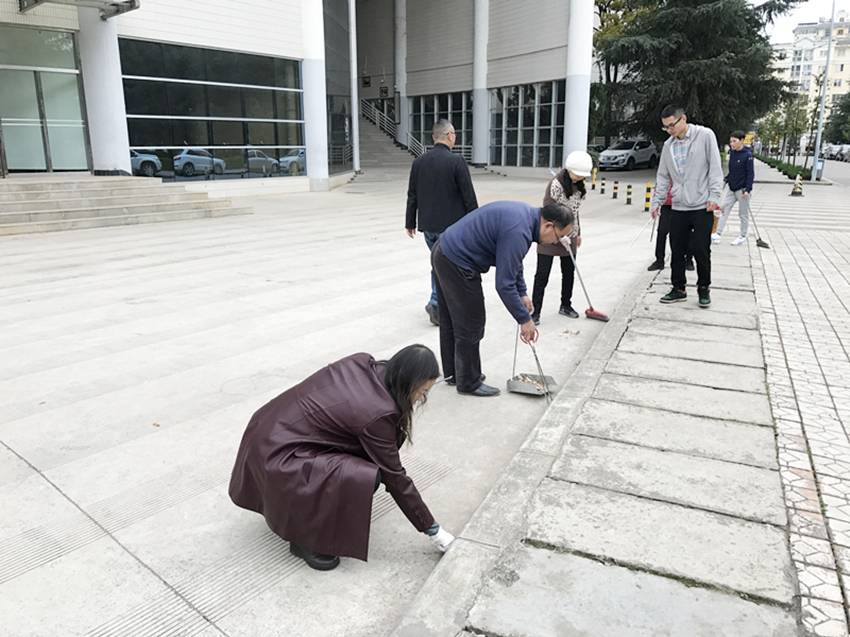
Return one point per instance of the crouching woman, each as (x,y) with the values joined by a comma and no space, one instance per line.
(311,458)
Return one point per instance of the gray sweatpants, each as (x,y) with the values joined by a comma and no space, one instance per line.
(743,210)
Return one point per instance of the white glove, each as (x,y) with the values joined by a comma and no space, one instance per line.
(443,539)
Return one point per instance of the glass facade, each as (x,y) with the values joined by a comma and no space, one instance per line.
(527,124)
(42,128)
(209,114)
(425,110)
(338,71)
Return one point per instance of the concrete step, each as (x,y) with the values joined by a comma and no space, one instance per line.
(10,195)
(125,198)
(119,220)
(111,211)
(39,184)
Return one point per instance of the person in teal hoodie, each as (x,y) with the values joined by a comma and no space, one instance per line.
(740,180)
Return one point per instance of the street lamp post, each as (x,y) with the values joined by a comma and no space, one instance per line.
(823,95)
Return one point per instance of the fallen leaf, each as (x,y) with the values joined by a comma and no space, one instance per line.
(156,424)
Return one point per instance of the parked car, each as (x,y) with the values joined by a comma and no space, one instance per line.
(145,165)
(596,147)
(844,153)
(832,151)
(628,154)
(197,160)
(259,162)
(294,161)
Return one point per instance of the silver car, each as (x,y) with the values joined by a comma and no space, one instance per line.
(259,162)
(197,160)
(145,165)
(628,154)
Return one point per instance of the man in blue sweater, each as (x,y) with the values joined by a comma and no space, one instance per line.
(498,234)
(740,180)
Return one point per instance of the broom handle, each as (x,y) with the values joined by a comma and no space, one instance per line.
(580,280)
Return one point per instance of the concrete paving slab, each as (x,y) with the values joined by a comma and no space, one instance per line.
(685,399)
(694,435)
(12,467)
(723,376)
(688,544)
(694,348)
(440,608)
(677,331)
(742,491)
(737,310)
(95,581)
(550,594)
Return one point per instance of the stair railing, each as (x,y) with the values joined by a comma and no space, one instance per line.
(377,117)
(415,146)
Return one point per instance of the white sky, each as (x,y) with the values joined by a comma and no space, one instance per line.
(810,11)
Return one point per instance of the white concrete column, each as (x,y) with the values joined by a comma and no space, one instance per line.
(403,127)
(579,55)
(355,99)
(104,93)
(315,94)
(480,94)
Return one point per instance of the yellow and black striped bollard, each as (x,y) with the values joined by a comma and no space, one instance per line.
(648,196)
(616,185)
(629,195)
(593,183)
(602,187)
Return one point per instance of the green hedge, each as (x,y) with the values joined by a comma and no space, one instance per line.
(790,170)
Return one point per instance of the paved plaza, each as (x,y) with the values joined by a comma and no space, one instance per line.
(690,477)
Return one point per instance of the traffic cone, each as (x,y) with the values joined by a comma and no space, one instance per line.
(798,186)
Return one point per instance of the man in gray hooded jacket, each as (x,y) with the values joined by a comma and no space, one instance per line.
(690,160)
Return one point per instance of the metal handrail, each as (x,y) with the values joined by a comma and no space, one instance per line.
(378,118)
(415,146)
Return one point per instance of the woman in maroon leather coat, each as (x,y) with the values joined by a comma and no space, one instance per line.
(311,458)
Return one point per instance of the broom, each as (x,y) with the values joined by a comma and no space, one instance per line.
(589,312)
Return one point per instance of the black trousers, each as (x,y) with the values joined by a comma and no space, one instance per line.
(691,228)
(541,279)
(460,299)
(661,238)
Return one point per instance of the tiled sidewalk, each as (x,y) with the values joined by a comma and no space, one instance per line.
(805,324)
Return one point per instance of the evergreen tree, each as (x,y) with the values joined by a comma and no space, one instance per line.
(711,57)
(837,128)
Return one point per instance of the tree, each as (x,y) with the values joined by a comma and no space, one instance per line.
(711,57)
(837,128)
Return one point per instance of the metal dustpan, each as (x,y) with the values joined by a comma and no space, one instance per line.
(533,384)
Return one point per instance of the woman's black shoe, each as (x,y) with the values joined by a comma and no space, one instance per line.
(318,561)
(567,310)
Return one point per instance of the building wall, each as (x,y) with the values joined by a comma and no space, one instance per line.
(375,47)
(267,27)
(528,41)
(439,46)
(51,16)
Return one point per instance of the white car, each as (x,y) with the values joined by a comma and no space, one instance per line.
(628,154)
(197,160)
(259,162)
(294,161)
(145,165)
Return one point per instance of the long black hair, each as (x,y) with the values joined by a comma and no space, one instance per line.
(403,374)
(571,186)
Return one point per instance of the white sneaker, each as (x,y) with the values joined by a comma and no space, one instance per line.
(715,238)
(739,241)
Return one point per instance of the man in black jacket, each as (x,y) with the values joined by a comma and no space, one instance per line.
(441,190)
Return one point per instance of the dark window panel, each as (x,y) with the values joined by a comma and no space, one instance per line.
(560,90)
(149,132)
(511,136)
(290,134)
(545,116)
(224,101)
(546,92)
(511,156)
(559,115)
(513,117)
(287,73)
(223,66)
(143,97)
(190,133)
(417,124)
(186,99)
(543,156)
(184,62)
(557,160)
(228,134)
(141,58)
(544,135)
(428,124)
(261,133)
(527,135)
(234,159)
(288,105)
(527,156)
(257,69)
(259,104)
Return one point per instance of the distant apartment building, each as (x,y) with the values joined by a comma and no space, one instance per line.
(803,61)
